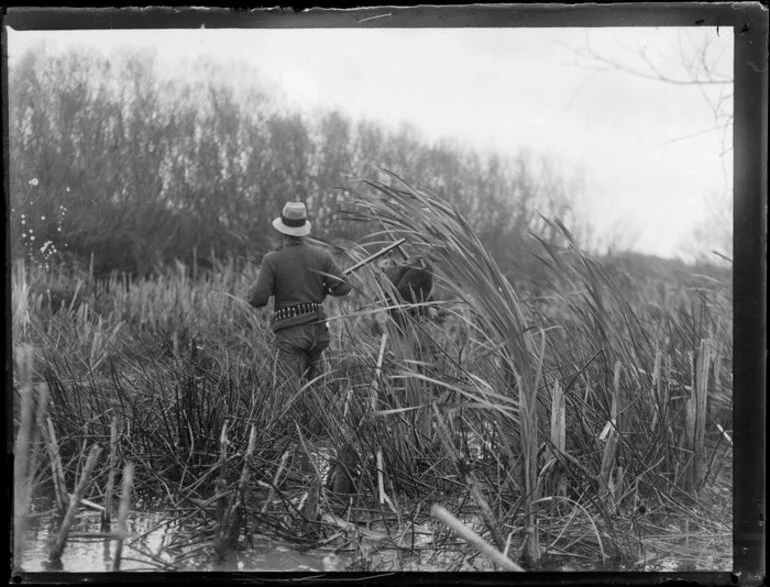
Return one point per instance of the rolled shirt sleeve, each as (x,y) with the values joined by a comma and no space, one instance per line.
(335,282)
(260,292)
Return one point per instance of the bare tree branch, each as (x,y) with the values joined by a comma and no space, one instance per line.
(654,72)
(697,62)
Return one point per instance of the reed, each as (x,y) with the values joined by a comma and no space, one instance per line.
(57,470)
(123,511)
(235,516)
(107,513)
(431,224)
(60,540)
(611,435)
(558,446)
(696,418)
(22,483)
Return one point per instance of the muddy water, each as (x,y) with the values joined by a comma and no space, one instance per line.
(154,546)
(148,549)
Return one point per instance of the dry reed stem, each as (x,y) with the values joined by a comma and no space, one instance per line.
(247,457)
(60,483)
(123,510)
(276,479)
(22,464)
(38,428)
(224,510)
(618,486)
(69,517)
(375,388)
(380,480)
(608,458)
(530,473)
(309,507)
(559,434)
(494,555)
(610,448)
(223,442)
(346,409)
(378,371)
(231,519)
(701,399)
(657,384)
(107,514)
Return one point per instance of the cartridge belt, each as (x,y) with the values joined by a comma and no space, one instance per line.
(297,315)
(296,310)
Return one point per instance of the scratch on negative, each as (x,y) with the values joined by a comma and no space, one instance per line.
(387,14)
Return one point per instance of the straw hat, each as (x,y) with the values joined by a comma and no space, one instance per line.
(293,220)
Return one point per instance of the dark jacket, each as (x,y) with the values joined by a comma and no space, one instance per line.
(413,280)
(297,273)
(414,283)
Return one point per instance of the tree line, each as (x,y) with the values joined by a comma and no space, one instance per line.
(114,161)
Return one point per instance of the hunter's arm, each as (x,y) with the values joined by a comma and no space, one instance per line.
(335,282)
(260,292)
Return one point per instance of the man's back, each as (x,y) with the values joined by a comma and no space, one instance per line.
(298,273)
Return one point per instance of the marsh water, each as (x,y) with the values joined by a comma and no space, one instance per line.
(150,546)
(154,545)
(157,541)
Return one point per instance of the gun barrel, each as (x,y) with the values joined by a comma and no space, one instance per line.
(371,258)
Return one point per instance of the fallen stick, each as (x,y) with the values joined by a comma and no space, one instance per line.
(474,539)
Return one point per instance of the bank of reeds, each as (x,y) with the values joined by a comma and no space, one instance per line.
(583,407)
(628,377)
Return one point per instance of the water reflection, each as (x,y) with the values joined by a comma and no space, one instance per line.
(154,545)
(149,548)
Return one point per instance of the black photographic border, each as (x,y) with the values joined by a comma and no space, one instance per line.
(749,21)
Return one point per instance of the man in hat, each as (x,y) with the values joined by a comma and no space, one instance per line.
(299,276)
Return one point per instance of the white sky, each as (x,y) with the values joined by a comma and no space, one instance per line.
(506,89)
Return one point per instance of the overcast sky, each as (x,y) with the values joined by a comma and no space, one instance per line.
(508,89)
